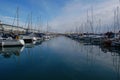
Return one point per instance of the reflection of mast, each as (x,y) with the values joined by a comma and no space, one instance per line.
(91,57)
(87,55)
(119,67)
(116,64)
(29,51)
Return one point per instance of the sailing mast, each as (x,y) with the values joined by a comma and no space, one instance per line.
(27,21)
(31,22)
(117,15)
(47,26)
(114,21)
(17,16)
(92,20)
(100,26)
(87,19)
(41,24)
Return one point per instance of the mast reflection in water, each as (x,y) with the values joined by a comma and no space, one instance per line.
(60,59)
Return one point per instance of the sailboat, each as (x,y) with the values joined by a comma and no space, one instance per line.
(10,40)
(115,40)
(29,36)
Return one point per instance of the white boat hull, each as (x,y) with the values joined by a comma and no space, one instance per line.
(9,43)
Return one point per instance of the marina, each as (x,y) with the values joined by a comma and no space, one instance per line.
(60,40)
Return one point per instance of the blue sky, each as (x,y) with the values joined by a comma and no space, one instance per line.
(48,9)
(62,15)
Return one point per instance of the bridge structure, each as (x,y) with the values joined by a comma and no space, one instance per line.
(7,28)
(15,29)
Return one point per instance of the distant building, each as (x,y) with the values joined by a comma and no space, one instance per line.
(7,28)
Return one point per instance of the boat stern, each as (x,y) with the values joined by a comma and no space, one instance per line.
(22,42)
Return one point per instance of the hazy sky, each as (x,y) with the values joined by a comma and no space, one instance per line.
(62,15)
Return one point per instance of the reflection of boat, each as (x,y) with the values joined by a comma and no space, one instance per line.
(97,40)
(30,45)
(110,49)
(8,51)
(38,42)
(33,44)
(116,43)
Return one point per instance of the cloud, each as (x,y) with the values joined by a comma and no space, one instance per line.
(62,15)
(74,13)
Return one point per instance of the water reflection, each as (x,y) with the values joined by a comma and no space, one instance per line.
(115,53)
(63,59)
(94,53)
(7,52)
(110,49)
(39,42)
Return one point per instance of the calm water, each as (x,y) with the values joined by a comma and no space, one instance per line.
(59,59)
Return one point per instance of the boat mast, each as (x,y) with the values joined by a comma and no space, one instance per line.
(39,24)
(87,19)
(117,17)
(100,26)
(40,28)
(17,16)
(114,21)
(92,19)
(47,26)
(31,22)
(28,30)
